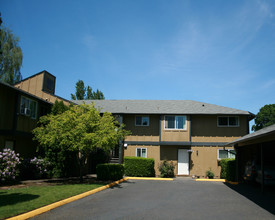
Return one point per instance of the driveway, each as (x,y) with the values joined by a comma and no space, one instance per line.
(182,198)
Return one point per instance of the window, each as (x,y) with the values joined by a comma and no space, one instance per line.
(28,107)
(49,83)
(175,122)
(142,152)
(223,154)
(142,121)
(228,121)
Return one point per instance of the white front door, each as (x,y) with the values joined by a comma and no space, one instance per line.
(183,162)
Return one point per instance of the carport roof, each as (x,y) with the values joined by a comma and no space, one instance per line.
(162,107)
(267,131)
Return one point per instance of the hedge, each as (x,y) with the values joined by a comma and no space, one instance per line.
(139,167)
(228,169)
(109,171)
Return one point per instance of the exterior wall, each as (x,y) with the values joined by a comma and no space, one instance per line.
(15,127)
(170,154)
(34,86)
(152,152)
(142,133)
(8,99)
(175,135)
(203,158)
(204,128)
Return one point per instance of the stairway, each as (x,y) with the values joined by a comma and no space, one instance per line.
(114,160)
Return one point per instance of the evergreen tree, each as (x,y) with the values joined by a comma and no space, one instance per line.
(86,93)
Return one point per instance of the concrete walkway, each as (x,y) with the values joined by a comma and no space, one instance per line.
(182,198)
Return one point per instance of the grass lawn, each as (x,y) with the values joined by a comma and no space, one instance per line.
(20,200)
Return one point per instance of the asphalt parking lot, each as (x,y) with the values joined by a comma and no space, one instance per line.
(182,198)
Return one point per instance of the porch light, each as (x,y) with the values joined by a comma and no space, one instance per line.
(190,151)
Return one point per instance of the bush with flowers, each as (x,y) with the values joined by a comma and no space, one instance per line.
(9,169)
(35,168)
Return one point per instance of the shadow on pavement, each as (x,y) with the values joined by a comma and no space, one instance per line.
(253,192)
(120,186)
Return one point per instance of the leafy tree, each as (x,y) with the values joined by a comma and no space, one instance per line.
(59,107)
(10,56)
(79,129)
(85,93)
(265,117)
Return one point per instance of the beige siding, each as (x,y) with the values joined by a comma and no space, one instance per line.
(175,135)
(142,133)
(34,85)
(205,129)
(152,152)
(204,158)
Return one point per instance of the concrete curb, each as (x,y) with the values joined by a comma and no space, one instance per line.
(63,202)
(80,196)
(210,180)
(217,180)
(149,178)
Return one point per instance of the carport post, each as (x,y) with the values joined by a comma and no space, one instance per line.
(262,167)
(237,163)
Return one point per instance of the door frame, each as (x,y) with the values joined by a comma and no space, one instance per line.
(188,156)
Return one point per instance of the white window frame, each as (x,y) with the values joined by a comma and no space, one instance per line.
(27,109)
(142,116)
(185,124)
(228,125)
(139,148)
(227,154)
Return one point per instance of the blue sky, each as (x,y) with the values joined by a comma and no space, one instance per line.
(219,52)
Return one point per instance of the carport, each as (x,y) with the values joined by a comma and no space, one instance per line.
(258,146)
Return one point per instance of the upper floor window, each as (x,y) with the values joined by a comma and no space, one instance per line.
(223,154)
(28,107)
(228,121)
(142,121)
(49,83)
(175,122)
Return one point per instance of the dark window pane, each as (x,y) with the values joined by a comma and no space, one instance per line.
(138,120)
(180,122)
(170,122)
(233,121)
(223,121)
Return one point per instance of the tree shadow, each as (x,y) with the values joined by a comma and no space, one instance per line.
(14,198)
(120,186)
(253,192)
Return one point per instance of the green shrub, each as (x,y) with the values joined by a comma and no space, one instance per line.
(231,170)
(139,167)
(228,169)
(167,169)
(108,171)
(210,174)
